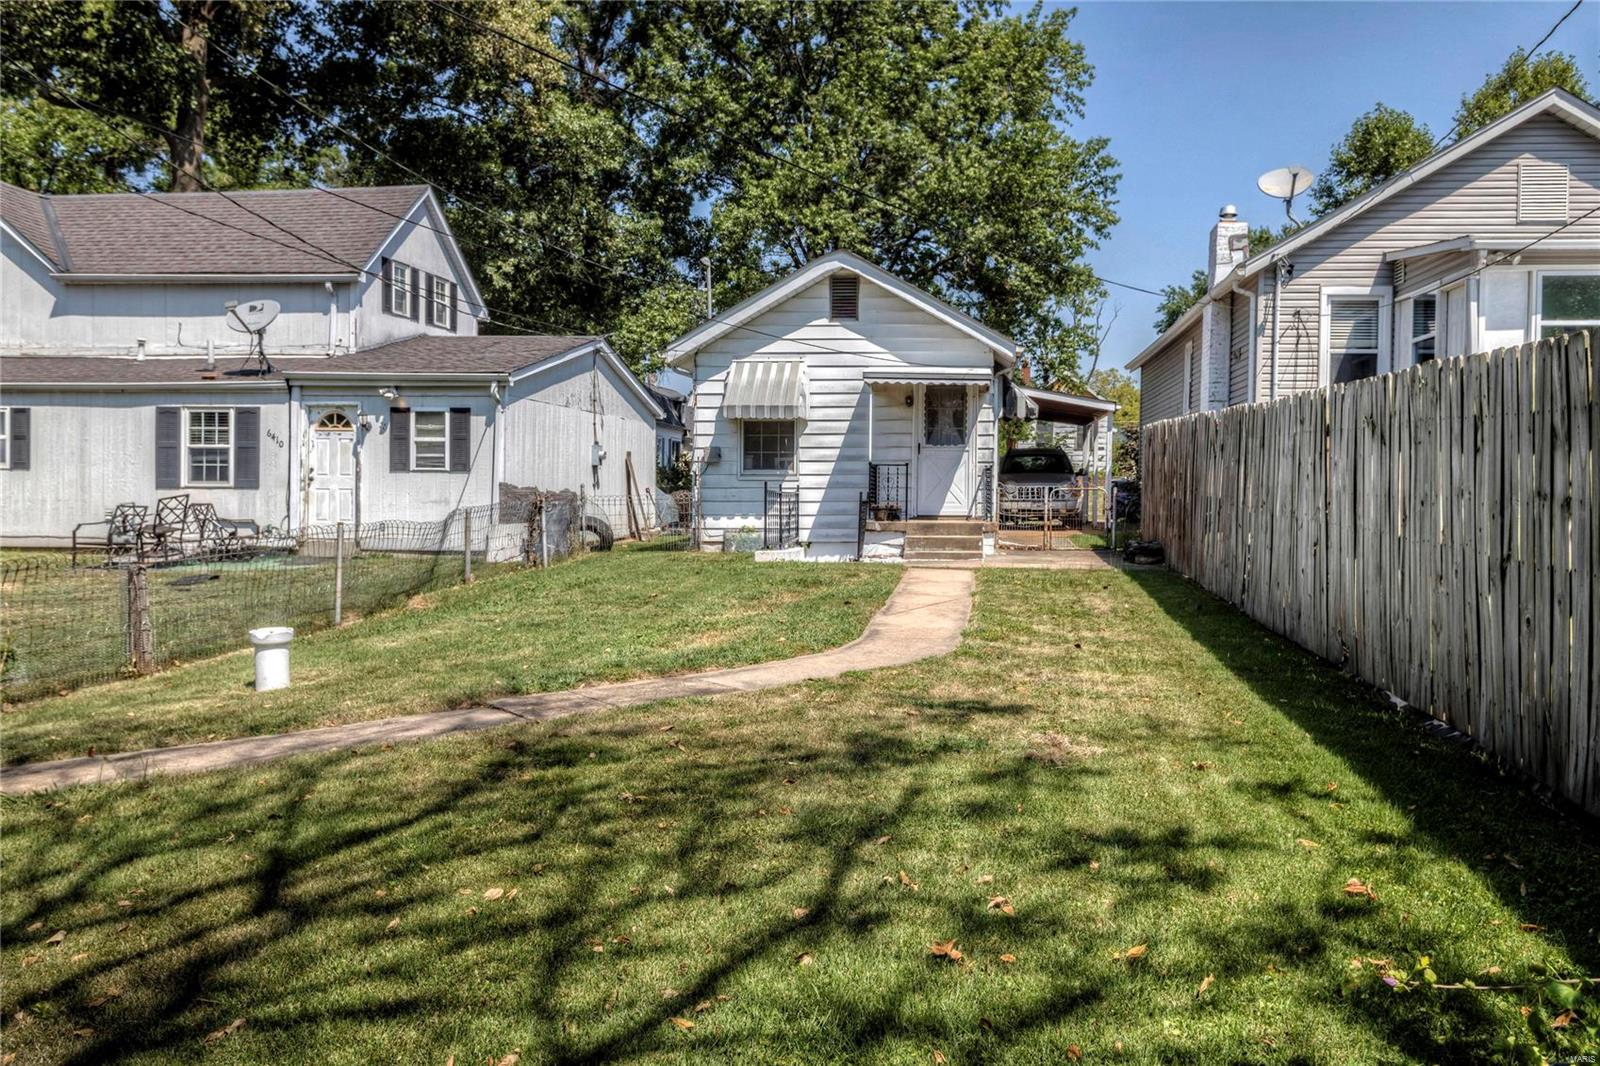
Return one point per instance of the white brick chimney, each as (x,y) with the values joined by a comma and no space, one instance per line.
(1230,246)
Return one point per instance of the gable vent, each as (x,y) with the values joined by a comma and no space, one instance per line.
(1541,192)
(844,296)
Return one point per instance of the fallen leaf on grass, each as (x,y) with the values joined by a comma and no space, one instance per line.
(56,937)
(800,912)
(683,1023)
(103,998)
(986,879)
(511,1059)
(1204,985)
(804,959)
(493,893)
(945,950)
(79,957)
(1562,1020)
(1135,952)
(1074,1052)
(1304,843)
(1201,765)
(1354,887)
(906,882)
(394,923)
(1008,958)
(1001,904)
(938,1057)
(1529,927)
(883,839)
(227,1030)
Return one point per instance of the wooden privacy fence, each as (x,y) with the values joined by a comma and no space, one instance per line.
(1432,531)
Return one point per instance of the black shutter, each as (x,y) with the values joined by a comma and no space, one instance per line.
(169,447)
(21,429)
(399,440)
(460,438)
(416,294)
(247,447)
(388,287)
(455,294)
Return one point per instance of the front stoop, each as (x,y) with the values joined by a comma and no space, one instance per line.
(943,541)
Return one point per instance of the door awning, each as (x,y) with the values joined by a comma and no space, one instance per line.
(766,388)
(927,375)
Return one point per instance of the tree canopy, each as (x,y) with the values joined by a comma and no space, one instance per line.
(1176,299)
(1380,144)
(589,154)
(1514,84)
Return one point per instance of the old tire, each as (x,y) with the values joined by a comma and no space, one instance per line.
(597,535)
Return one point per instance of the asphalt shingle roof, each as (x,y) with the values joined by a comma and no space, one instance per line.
(432,354)
(188,233)
(107,370)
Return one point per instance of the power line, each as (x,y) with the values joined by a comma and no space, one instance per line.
(304,246)
(1526,55)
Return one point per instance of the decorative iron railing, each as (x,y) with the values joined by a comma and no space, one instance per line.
(888,491)
(780,516)
(984,501)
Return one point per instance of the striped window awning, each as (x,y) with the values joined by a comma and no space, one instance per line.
(766,388)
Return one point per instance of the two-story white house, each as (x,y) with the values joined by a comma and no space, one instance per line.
(1491,242)
(126,374)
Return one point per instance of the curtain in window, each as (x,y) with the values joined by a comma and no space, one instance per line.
(944,416)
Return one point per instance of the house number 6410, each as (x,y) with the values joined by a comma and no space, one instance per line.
(272,435)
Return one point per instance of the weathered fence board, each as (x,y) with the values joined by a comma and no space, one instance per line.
(1434,532)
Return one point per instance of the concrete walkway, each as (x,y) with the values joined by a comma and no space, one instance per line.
(923,617)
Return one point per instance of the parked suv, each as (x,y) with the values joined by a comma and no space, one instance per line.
(1031,476)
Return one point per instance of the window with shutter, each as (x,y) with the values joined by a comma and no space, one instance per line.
(844,297)
(1352,339)
(1542,191)
(397,288)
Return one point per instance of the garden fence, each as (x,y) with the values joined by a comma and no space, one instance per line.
(1432,530)
(64,625)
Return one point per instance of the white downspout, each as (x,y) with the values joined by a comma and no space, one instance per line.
(1278,269)
(296,443)
(497,465)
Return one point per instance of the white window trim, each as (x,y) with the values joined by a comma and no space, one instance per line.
(770,475)
(415,411)
(1331,293)
(1441,343)
(439,304)
(399,291)
(5,435)
(1536,326)
(233,445)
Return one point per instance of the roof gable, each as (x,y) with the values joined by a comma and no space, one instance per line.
(835,262)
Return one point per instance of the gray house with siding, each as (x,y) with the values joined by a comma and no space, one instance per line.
(1491,242)
(124,375)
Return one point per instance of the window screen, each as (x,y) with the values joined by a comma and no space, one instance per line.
(428,446)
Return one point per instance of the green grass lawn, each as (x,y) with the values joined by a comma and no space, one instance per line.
(605,617)
(1169,801)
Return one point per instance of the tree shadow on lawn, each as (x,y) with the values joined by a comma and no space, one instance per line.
(265,898)
(1538,860)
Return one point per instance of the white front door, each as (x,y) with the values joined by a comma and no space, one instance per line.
(944,475)
(333,469)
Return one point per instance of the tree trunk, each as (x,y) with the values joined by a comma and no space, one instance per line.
(188,140)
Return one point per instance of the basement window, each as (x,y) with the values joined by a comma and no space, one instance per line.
(844,297)
(768,447)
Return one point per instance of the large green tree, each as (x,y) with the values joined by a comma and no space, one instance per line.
(1518,81)
(1176,299)
(1380,144)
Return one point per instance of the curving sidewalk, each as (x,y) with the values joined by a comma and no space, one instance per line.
(923,617)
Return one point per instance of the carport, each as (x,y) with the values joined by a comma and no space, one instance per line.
(1030,517)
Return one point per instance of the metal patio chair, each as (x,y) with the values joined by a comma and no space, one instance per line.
(119,532)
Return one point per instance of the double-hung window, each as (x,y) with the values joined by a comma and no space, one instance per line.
(1353,338)
(430,445)
(1424,328)
(439,302)
(208,446)
(399,289)
(768,447)
(1568,303)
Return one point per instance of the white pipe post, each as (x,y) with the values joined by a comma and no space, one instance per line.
(338,575)
(466,545)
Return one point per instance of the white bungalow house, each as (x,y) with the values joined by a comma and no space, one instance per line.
(124,378)
(1491,242)
(843,412)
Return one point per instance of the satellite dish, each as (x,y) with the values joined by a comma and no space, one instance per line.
(252,317)
(1285,184)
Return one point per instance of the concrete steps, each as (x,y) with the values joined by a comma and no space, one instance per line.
(944,542)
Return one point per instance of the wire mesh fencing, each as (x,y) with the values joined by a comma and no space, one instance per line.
(63,625)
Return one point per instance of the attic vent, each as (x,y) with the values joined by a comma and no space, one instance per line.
(1541,192)
(844,296)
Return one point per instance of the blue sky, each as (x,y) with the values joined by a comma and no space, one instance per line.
(1200,98)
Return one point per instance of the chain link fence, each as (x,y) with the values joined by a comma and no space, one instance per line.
(63,625)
